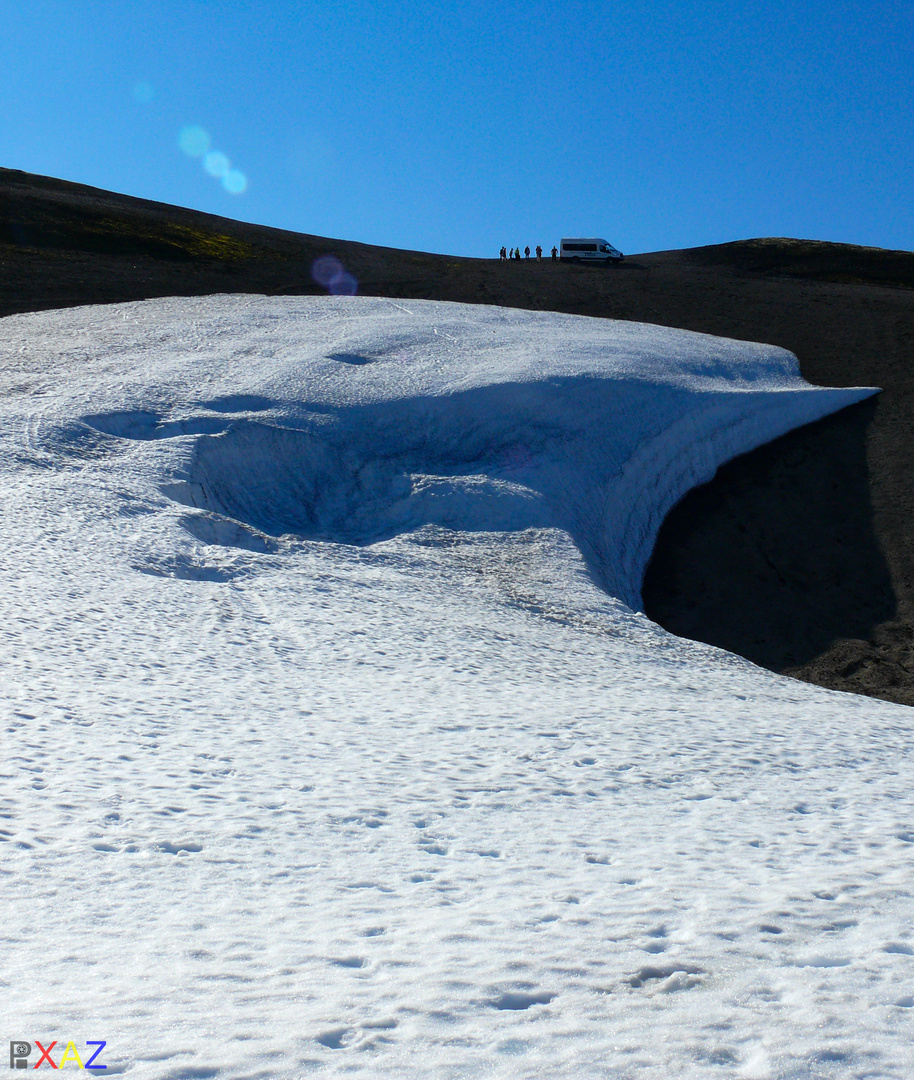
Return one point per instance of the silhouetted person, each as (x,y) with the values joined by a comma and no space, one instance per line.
(539,253)
(503,254)
(527,252)
(555,252)
(517,253)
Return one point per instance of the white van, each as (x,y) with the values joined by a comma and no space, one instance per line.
(589,249)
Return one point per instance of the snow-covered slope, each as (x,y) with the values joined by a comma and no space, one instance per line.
(337,744)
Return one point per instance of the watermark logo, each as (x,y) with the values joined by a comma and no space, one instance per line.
(21,1052)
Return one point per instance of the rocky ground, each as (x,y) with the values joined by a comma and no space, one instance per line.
(799,556)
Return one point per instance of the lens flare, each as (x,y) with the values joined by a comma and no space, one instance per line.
(194,141)
(235,182)
(344,285)
(325,269)
(328,271)
(217,164)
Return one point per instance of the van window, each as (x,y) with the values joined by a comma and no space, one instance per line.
(579,247)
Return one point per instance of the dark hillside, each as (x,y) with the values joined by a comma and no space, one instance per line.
(799,556)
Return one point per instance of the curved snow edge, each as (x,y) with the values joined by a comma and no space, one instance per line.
(687,454)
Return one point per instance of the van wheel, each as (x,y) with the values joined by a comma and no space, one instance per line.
(575,259)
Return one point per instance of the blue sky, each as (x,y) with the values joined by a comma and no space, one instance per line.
(461,126)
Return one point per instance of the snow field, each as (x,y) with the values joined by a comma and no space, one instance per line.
(326,754)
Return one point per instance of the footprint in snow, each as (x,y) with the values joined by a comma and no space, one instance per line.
(517,1000)
(335,1038)
(679,980)
(349,961)
(672,976)
(180,847)
(816,960)
(431,847)
(341,1037)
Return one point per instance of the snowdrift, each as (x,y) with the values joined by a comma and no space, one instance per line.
(339,747)
(372,420)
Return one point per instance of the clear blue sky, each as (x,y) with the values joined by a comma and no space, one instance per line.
(459,126)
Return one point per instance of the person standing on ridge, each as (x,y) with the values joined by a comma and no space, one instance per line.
(517,253)
(527,252)
(539,253)
(503,254)
(555,252)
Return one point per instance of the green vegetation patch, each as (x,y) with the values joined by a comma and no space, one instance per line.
(193,243)
(131,237)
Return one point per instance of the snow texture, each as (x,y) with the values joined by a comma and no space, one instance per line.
(337,743)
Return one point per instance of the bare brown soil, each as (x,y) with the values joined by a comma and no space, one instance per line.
(799,556)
